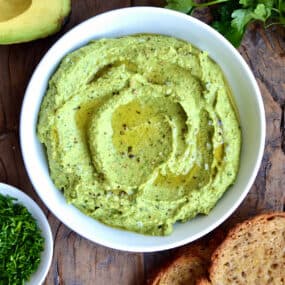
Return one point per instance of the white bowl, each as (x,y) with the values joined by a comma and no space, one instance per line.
(160,21)
(46,257)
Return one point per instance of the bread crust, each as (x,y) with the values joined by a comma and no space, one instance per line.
(244,237)
(175,272)
(253,237)
(195,257)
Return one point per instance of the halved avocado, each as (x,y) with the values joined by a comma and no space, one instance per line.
(27,20)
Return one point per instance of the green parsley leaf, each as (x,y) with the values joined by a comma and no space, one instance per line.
(184,6)
(247,3)
(231,17)
(223,22)
(262,12)
(242,17)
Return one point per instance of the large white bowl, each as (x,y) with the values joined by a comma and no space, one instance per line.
(37,277)
(160,21)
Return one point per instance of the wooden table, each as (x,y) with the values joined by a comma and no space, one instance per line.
(78,261)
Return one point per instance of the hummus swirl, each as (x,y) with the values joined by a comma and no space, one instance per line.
(140,132)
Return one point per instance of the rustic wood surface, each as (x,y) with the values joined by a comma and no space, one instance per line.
(78,261)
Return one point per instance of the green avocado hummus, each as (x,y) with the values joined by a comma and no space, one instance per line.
(140,132)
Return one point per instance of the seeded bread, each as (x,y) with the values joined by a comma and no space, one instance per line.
(252,253)
(185,269)
(191,263)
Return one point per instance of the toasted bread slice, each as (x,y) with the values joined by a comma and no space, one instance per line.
(190,264)
(205,247)
(185,269)
(252,253)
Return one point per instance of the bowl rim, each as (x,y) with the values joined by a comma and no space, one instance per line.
(37,213)
(249,74)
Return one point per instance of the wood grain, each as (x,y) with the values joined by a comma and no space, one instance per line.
(78,261)
(264,51)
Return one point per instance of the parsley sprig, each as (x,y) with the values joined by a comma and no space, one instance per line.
(231,17)
(21,243)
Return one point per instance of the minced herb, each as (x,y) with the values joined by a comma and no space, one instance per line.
(21,243)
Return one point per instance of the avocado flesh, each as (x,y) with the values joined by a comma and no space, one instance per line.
(27,20)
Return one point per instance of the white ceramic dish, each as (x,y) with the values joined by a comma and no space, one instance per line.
(160,21)
(46,257)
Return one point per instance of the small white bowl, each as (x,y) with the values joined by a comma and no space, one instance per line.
(159,21)
(46,257)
